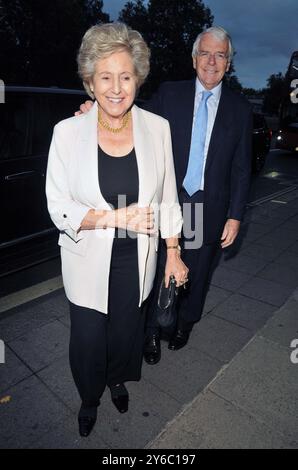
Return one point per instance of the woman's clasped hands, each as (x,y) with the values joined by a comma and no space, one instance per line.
(136,219)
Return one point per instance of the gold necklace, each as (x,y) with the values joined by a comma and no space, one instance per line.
(115,130)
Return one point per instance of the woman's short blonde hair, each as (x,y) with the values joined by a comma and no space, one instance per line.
(100,41)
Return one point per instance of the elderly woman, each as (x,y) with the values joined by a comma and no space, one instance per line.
(110,189)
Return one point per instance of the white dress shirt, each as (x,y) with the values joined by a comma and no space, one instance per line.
(212,105)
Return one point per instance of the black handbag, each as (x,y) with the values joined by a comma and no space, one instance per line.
(166,312)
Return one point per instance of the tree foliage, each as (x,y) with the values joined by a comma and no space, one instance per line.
(39,39)
(135,14)
(274,93)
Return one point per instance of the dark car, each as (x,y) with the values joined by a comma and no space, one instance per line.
(27,118)
(261,142)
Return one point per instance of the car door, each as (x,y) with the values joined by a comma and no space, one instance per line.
(22,173)
(26,125)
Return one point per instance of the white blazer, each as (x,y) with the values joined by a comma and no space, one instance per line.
(72,188)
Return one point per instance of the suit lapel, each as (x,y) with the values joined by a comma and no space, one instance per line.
(87,155)
(187,110)
(220,127)
(147,179)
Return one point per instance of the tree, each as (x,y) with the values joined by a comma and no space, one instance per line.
(274,93)
(233,82)
(42,38)
(94,13)
(252,92)
(135,14)
(170,28)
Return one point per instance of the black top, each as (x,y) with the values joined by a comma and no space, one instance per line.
(118,180)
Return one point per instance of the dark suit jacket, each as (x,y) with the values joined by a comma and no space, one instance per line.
(228,165)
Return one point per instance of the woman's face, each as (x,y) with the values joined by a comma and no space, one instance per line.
(114,84)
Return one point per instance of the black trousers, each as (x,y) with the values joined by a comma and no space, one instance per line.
(106,349)
(199,261)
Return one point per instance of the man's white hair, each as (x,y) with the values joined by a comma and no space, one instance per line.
(220,34)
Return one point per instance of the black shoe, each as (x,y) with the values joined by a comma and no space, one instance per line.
(120,397)
(152,349)
(121,403)
(179,340)
(86,425)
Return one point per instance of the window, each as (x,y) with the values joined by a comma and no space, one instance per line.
(15,117)
(27,121)
(49,109)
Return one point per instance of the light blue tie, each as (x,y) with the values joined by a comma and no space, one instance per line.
(193,177)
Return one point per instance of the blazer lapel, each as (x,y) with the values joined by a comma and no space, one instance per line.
(220,127)
(147,180)
(187,110)
(87,154)
(145,157)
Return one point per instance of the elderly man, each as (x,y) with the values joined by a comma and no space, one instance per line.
(211,129)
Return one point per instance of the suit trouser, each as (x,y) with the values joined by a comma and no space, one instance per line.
(106,349)
(199,262)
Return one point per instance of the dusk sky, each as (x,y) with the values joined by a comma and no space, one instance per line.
(264,34)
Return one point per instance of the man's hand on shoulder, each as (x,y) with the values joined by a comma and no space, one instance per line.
(230,232)
(84,108)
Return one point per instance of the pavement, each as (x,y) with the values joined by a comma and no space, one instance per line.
(235,384)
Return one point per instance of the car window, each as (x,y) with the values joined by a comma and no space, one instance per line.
(15,122)
(27,120)
(48,110)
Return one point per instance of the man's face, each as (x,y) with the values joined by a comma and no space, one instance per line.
(211,62)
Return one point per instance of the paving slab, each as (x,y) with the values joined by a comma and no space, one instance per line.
(294,247)
(288,258)
(229,279)
(182,374)
(267,253)
(212,422)
(66,436)
(58,378)
(42,346)
(30,413)
(264,382)
(12,371)
(24,318)
(266,291)
(283,327)
(215,297)
(218,338)
(244,263)
(280,272)
(269,219)
(244,311)
(278,238)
